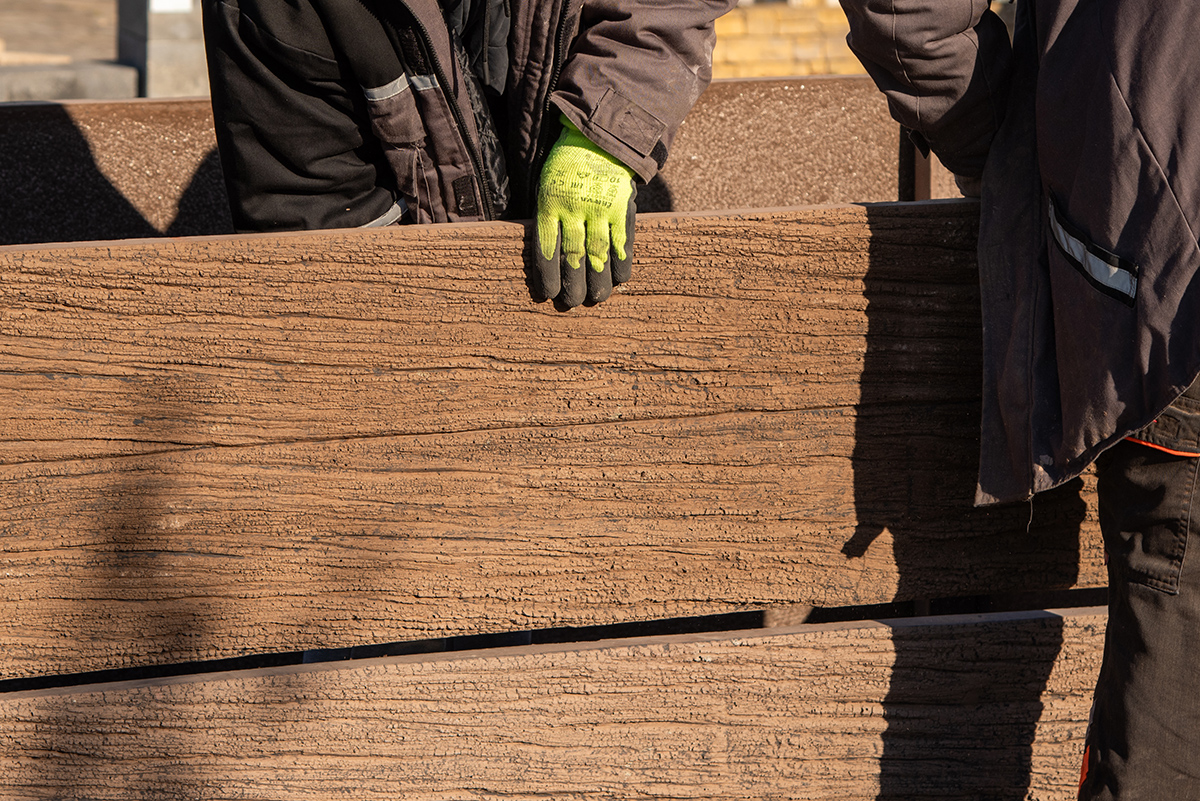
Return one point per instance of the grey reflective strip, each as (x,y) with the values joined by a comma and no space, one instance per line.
(387,90)
(398,210)
(1117,278)
(423,82)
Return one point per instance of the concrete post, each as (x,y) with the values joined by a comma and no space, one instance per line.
(164,39)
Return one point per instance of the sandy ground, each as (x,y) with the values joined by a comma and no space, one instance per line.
(82,29)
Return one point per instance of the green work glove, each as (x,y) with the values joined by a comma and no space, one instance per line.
(585,207)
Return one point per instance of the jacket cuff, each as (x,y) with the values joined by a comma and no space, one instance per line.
(624,130)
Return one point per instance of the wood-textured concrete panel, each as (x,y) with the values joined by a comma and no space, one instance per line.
(251,444)
(991,706)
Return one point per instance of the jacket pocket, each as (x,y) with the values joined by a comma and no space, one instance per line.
(1107,272)
(396,123)
(1146,512)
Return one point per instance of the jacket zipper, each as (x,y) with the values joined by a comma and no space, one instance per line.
(489,208)
(557,57)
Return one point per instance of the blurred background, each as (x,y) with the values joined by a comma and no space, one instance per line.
(100,49)
(110,49)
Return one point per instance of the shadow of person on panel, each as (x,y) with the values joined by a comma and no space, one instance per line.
(51,189)
(141,615)
(204,204)
(961,715)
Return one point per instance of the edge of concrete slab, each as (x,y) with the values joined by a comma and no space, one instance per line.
(80,80)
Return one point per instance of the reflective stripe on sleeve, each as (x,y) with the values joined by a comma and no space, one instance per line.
(419,83)
(424,82)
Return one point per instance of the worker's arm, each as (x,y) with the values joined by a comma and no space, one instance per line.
(635,70)
(291,137)
(943,65)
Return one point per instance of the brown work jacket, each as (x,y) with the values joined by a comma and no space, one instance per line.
(339,113)
(1087,135)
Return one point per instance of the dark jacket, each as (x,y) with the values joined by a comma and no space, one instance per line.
(341,113)
(1088,141)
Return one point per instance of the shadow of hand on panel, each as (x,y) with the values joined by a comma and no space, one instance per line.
(655,196)
(51,189)
(961,715)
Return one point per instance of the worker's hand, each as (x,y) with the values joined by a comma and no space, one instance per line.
(585,208)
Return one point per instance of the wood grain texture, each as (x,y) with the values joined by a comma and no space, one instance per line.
(216,447)
(990,706)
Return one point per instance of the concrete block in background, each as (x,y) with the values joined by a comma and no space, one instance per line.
(147,168)
(11,58)
(164,40)
(92,80)
(782,142)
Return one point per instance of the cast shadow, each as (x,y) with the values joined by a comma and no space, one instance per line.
(655,196)
(143,617)
(204,206)
(51,189)
(960,719)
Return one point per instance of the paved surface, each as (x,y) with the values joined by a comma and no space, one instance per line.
(82,29)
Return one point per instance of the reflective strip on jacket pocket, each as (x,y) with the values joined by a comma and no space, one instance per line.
(390,89)
(398,210)
(1108,272)
(421,83)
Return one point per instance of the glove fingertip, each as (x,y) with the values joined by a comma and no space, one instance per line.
(600,283)
(549,275)
(622,268)
(574,282)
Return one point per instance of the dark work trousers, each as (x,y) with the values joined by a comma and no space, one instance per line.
(1144,738)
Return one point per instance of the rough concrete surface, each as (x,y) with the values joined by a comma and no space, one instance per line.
(219,447)
(781,142)
(123,170)
(988,708)
(138,168)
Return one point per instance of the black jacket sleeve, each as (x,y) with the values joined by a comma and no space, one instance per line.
(289,124)
(944,66)
(635,71)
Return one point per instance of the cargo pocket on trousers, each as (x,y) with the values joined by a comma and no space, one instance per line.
(1147,510)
